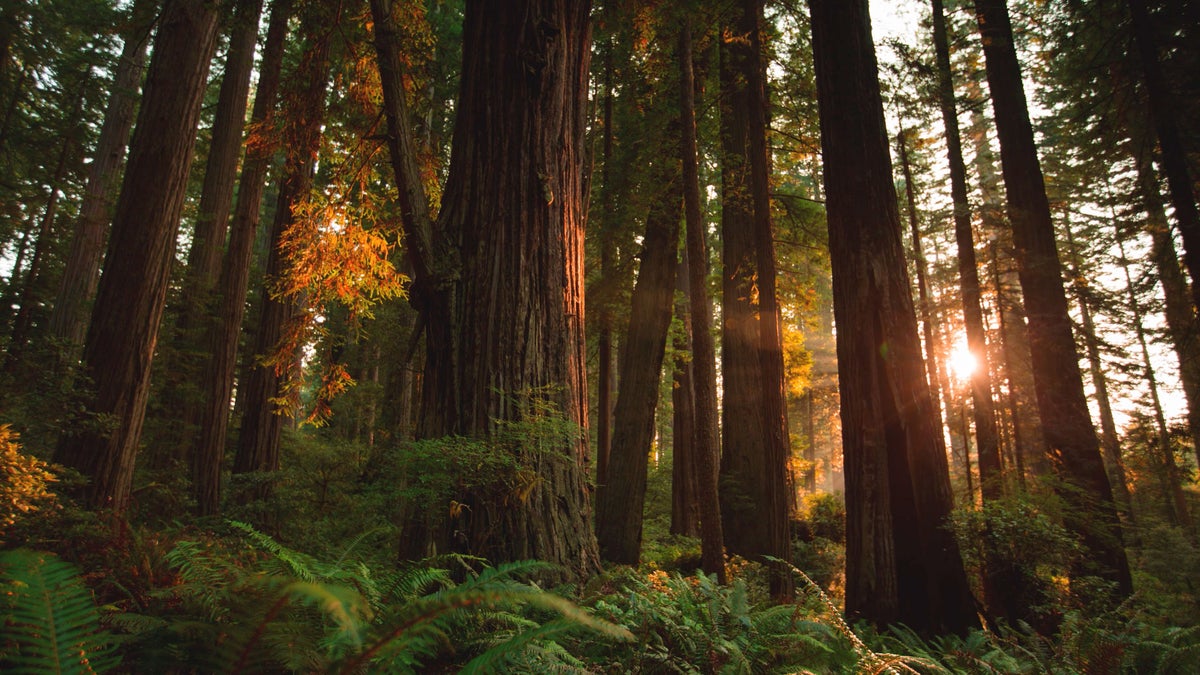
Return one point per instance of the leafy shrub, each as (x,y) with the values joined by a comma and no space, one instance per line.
(24,481)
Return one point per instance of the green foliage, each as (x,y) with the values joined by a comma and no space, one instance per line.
(50,622)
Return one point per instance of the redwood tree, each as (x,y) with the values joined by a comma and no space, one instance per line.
(1073,447)
(902,564)
(129,303)
(499,280)
(755,443)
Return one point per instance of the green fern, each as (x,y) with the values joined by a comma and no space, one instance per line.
(51,622)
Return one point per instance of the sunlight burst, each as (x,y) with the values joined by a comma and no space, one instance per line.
(962,363)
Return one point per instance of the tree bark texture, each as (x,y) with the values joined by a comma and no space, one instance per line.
(619,504)
(903,565)
(1073,447)
(132,292)
(222,333)
(503,299)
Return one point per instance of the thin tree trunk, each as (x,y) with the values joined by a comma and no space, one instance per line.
(933,346)
(29,289)
(222,335)
(1177,510)
(991,480)
(1182,326)
(1070,437)
(132,292)
(68,319)
(258,440)
(706,442)
(685,504)
(1110,443)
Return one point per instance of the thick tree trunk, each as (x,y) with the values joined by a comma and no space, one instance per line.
(754,457)
(258,439)
(903,565)
(222,334)
(619,504)
(68,319)
(505,324)
(132,292)
(1070,437)
(706,442)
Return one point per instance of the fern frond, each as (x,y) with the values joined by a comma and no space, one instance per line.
(52,620)
(504,653)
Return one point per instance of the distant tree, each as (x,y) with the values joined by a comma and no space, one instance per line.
(902,564)
(132,293)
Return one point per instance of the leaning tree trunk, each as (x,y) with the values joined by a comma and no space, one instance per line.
(1073,447)
(685,503)
(619,504)
(81,274)
(903,564)
(222,334)
(1174,155)
(132,292)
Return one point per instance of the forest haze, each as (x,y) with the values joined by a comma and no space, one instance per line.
(599,336)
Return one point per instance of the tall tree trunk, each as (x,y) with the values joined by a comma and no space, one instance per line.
(706,442)
(27,298)
(1110,443)
(903,565)
(1180,313)
(1177,503)
(222,334)
(755,450)
(605,373)
(619,505)
(68,319)
(986,436)
(933,346)
(132,292)
(1071,439)
(685,502)
(1174,155)
(258,439)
